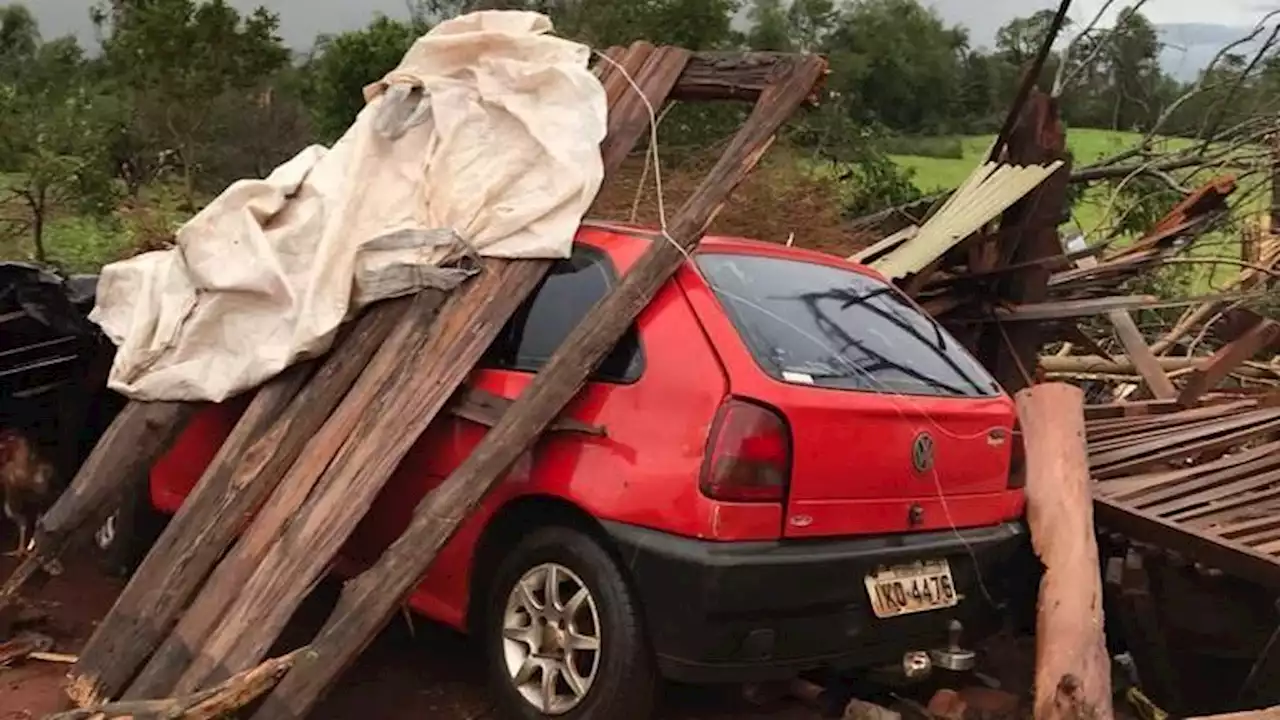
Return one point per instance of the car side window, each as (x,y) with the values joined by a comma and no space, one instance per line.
(571,288)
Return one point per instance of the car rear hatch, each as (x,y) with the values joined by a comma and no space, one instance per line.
(894,426)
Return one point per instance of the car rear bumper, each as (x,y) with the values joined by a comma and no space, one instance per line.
(756,611)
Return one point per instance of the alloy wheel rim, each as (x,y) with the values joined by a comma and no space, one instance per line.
(551,638)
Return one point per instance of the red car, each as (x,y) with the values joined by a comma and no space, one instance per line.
(800,470)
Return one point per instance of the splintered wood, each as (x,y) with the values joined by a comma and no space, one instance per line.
(188,635)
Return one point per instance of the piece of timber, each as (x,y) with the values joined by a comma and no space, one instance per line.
(1073,670)
(732,76)
(396,415)
(217,702)
(485,408)
(369,600)
(1214,551)
(1216,368)
(265,442)
(411,321)
(122,456)
(629,117)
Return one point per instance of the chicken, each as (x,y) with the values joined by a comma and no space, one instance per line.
(27,482)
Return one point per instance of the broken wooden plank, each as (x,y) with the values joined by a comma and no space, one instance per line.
(252,460)
(397,412)
(1216,368)
(122,457)
(217,702)
(412,322)
(1073,670)
(369,600)
(1143,359)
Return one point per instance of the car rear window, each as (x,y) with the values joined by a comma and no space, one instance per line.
(820,325)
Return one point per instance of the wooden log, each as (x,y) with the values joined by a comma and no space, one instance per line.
(412,322)
(397,412)
(715,75)
(217,702)
(1227,359)
(266,441)
(123,455)
(369,600)
(1073,672)
(1123,365)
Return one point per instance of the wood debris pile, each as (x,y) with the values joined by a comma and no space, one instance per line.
(189,634)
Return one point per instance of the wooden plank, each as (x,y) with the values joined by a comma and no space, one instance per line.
(122,457)
(1143,359)
(395,416)
(1228,556)
(174,654)
(266,441)
(1073,670)
(1216,368)
(369,600)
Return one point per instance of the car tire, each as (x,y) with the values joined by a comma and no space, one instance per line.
(616,681)
(123,539)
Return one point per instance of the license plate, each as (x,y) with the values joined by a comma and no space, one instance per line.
(906,589)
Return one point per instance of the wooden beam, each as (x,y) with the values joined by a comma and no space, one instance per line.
(369,600)
(1140,354)
(264,444)
(1216,368)
(395,413)
(121,459)
(1073,670)
(412,322)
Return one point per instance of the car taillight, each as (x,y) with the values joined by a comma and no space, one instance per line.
(1017,463)
(749,456)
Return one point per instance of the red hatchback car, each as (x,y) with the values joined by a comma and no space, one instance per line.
(800,470)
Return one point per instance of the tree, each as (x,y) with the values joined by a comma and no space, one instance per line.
(53,130)
(1019,40)
(900,62)
(770,26)
(19,37)
(176,57)
(342,65)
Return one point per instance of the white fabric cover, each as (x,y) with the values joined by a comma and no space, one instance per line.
(485,138)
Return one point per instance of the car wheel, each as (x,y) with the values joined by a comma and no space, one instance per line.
(123,539)
(563,634)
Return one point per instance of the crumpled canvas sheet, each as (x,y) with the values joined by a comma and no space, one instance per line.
(484,140)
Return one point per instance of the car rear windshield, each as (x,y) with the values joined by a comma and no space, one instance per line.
(821,325)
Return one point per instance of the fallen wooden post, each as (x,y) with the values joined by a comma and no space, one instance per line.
(266,441)
(370,599)
(1073,672)
(217,702)
(1216,368)
(123,455)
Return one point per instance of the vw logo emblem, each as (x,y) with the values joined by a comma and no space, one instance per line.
(922,452)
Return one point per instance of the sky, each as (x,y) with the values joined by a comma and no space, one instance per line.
(302,20)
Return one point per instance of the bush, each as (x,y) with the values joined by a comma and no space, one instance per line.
(945,146)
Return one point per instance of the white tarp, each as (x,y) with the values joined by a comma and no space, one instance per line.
(485,138)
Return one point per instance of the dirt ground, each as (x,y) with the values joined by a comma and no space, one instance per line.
(424,672)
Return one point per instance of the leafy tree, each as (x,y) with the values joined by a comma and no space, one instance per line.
(900,62)
(342,65)
(770,26)
(1019,40)
(175,57)
(53,125)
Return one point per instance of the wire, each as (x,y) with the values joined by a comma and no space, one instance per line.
(897,397)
